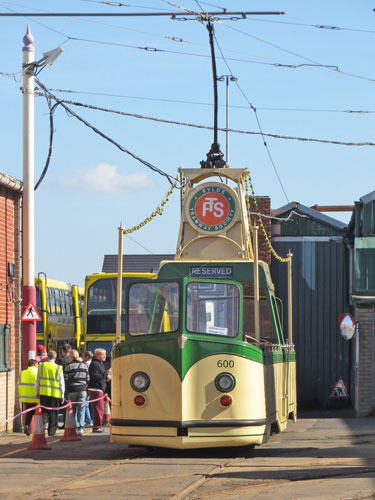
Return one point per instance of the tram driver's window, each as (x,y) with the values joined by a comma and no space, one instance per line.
(153,308)
(212,308)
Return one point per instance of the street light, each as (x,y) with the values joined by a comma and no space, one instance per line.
(29,67)
(227,79)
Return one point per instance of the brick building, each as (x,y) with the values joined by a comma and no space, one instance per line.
(361,233)
(10,330)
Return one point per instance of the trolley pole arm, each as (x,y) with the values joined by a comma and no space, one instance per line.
(119,286)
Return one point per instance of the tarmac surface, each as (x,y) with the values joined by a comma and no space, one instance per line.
(324,455)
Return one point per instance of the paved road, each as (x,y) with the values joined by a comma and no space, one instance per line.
(325,458)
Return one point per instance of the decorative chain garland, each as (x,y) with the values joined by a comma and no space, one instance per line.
(158,211)
(247,181)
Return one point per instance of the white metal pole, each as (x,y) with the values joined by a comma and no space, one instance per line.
(227,121)
(290,299)
(256,283)
(119,285)
(28,258)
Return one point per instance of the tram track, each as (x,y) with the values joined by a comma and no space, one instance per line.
(60,485)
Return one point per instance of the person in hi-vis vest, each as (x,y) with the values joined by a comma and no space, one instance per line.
(27,393)
(50,386)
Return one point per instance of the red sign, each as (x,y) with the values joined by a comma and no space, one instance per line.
(30,313)
(342,316)
(212,208)
(339,391)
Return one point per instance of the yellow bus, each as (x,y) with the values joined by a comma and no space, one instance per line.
(99,318)
(60,306)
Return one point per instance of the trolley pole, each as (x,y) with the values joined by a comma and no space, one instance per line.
(28,258)
(119,285)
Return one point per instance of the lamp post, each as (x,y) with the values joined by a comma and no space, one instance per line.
(28,230)
(28,261)
(227,78)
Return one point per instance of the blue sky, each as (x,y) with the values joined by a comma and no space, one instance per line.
(91,186)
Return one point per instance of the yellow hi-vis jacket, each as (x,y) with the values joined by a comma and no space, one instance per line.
(26,385)
(49,374)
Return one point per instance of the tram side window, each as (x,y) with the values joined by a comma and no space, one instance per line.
(213,308)
(265,319)
(153,308)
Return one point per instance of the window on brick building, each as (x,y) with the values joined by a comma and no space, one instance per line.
(4,347)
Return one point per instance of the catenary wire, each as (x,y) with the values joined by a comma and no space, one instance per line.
(152,167)
(331,68)
(252,107)
(155,49)
(318,26)
(207,127)
(348,111)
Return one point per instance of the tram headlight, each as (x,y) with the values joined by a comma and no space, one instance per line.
(140,382)
(225,382)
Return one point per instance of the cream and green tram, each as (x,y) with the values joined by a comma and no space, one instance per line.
(191,372)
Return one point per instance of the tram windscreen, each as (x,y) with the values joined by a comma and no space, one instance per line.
(212,308)
(102,306)
(153,308)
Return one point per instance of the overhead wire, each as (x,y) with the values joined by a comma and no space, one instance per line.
(149,165)
(207,127)
(317,26)
(234,106)
(12,75)
(252,107)
(312,63)
(329,67)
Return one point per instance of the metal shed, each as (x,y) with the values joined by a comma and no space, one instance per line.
(320,295)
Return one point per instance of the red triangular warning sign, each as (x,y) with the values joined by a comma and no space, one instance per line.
(30,313)
(339,391)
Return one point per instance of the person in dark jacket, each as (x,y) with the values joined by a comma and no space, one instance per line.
(76,375)
(97,386)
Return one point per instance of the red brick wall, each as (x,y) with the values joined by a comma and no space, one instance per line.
(264,205)
(9,297)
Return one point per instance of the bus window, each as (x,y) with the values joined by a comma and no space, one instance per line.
(265,320)
(67,303)
(57,301)
(102,305)
(39,306)
(52,300)
(212,308)
(153,308)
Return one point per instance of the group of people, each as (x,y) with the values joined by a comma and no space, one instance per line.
(76,379)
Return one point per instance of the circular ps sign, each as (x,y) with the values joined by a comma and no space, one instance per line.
(212,207)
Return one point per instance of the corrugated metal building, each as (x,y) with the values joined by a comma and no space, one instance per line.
(320,295)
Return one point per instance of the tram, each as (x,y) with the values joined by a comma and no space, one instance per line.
(60,306)
(204,361)
(99,320)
